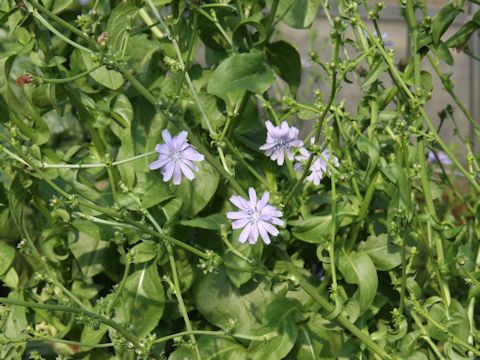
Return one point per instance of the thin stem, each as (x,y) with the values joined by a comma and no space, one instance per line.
(124,332)
(329,308)
(64,23)
(58,33)
(56,340)
(448,86)
(271,16)
(404,87)
(454,338)
(238,155)
(403,283)
(265,337)
(437,263)
(73,78)
(426,337)
(319,123)
(176,283)
(215,22)
(194,140)
(333,230)
(151,24)
(126,272)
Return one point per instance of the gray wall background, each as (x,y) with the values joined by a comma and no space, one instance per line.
(465,71)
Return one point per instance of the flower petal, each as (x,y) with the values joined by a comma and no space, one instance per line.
(177,175)
(245,233)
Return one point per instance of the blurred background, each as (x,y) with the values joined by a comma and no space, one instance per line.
(465,72)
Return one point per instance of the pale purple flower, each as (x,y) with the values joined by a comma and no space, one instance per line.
(388,43)
(176,157)
(280,139)
(319,166)
(255,217)
(84,2)
(442,158)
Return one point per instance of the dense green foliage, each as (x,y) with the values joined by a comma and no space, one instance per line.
(102,259)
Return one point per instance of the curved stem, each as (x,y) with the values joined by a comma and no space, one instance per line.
(319,123)
(176,285)
(124,332)
(341,319)
(73,78)
(215,333)
(63,23)
(56,340)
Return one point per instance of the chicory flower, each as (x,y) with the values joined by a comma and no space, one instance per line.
(280,140)
(176,157)
(255,217)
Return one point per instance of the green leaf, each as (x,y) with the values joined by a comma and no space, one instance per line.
(286,62)
(318,340)
(443,53)
(145,251)
(212,348)
(120,19)
(253,252)
(378,68)
(122,110)
(442,21)
(384,254)
(281,316)
(150,189)
(298,14)
(239,73)
(242,306)
(462,36)
(109,78)
(313,229)
(358,269)
(7,254)
(210,222)
(196,194)
(455,320)
(91,248)
(142,300)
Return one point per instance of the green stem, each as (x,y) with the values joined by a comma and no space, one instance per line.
(238,155)
(124,332)
(319,123)
(56,340)
(329,308)
(271,17)
(73,78)
(448,86)
(119,289)
(216,333)
(333,231)
(454,338)
(215,22)
(437,263)
(194,140)
(427,338)
(45,23)
(176,284)
(64,23)
(396,76)
(403,284)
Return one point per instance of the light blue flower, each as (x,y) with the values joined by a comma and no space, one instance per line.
(176,157)
(280,140)
(442,158)
(318,168)
(255,217)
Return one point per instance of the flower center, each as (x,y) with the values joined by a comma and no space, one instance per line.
(255,216)
(175,155)
(281,144)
